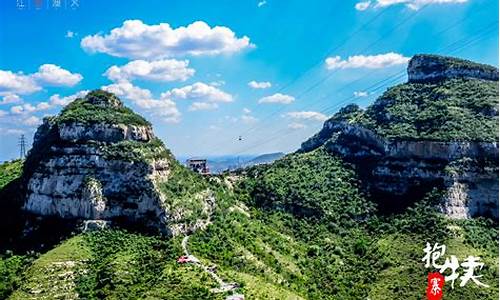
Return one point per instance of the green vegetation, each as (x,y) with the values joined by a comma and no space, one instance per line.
(85,111)
(455,109)
(135,151)
(10,171)
(11,271)
(300,228)
(185,193)
(313,184)
(271,254)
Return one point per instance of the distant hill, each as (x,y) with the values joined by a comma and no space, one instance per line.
(264,159)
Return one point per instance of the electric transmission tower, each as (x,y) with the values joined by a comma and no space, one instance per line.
(22,146)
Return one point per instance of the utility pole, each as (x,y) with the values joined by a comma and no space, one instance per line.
(22,146)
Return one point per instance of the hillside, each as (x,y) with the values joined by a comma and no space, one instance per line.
(347,216)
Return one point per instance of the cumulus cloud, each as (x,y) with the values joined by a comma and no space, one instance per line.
(366,61)
(362,5)
(412,4)
(56,99)
(70,34)
(247,119)
(259,85)
(203,106)
(136,40)
(49,74)
(32,121)
(17,83)
(11,99)
(296,125)
(158,70)
(307,115)
(25,108)
(261,3)
(277,98)
(359,94)
(163,107)
(200,92)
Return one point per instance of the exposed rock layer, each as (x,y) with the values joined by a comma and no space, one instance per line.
(398,171)
(424,68)
(100,171)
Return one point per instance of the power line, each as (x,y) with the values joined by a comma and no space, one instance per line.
(322,80)
(395,77)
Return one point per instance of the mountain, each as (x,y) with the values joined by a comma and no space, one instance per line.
(346,217)
(264,159)
(438,130)
(99,161)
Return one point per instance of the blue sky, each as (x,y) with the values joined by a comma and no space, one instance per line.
(206,72)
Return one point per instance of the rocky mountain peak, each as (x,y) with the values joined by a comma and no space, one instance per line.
(427,68)
(103,99)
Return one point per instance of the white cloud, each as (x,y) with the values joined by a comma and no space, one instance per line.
(200,92)
(218,83)
(70,34)
(295,125)
(412,4)
(307,115)
(247,119)
(137,40)
(25,108)
(17,83)
(359,94)
(366,61)
(261,3)
(259,85)
(163,107)
(362,5)
(277,98)
(32,121)
(57,100)
(10,99)
(203,106)
(49,74)
(158,70)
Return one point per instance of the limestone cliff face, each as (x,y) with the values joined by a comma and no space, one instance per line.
(424,68)
(397,171)
(102,169)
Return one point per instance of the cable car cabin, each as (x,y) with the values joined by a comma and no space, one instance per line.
(198,165)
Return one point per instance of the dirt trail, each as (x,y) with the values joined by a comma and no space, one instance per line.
(223,286)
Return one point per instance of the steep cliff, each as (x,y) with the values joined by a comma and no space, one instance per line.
(439,130)
(98,160)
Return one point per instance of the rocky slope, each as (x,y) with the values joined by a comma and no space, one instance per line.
(439,130)
(98,160)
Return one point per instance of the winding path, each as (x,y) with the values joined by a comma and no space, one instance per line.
(223,286)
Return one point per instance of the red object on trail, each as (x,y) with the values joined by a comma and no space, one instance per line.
(183,259)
